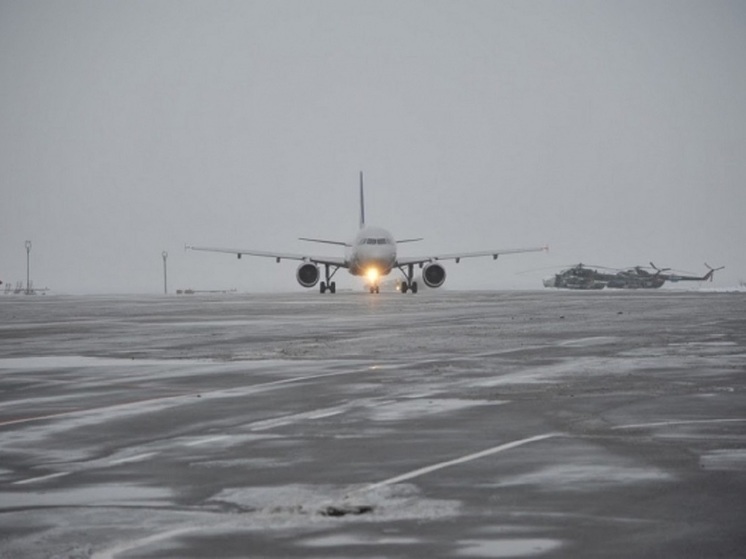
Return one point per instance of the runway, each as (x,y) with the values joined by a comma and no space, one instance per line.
(445,424)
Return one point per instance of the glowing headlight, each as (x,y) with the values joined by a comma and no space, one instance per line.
(372,275)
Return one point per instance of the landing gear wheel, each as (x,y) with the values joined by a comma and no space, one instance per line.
(333,287)
(322,287)
(404,287)
(414,287)
(378,289)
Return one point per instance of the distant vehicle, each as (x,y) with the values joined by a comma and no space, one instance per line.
(371,255)
(584,277)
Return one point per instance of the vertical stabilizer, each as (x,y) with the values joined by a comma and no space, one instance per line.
(362,203)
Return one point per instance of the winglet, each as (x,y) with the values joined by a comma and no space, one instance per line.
(362,203)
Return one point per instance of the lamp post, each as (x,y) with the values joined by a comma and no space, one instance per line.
(165,273)
(28,267)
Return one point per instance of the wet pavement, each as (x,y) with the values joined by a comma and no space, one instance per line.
(445,424)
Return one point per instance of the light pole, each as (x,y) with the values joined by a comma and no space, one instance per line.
(165,273)
(28,268)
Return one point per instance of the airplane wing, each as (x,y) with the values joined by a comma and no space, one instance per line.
(457,256)
(330,260)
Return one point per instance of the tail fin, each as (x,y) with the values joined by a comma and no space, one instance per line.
(362,203)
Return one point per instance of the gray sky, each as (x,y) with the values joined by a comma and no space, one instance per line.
(613,131)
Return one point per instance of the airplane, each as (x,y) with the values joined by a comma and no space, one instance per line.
(371,254)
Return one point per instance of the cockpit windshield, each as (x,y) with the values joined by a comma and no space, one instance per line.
(371,241)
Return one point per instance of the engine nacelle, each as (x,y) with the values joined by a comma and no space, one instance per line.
(433,275)
(307,274)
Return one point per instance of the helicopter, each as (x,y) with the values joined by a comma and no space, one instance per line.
(637,277)
(577,277)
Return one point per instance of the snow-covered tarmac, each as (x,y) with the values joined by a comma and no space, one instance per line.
(505,424)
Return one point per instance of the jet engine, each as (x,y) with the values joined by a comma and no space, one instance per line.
(433,275)
(307,274)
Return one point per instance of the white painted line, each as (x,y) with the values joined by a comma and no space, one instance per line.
(41,478)
(468,458)
(135,458)
(681,422)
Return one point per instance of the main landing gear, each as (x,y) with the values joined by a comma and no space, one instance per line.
(332,287)
(328,285)
(409,284)
(375,288)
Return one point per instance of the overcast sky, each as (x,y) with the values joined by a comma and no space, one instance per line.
(613,131)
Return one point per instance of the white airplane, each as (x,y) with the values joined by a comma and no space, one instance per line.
(371,254)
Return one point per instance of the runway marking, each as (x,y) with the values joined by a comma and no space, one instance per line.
(468,458)
(40,478)
(681,422)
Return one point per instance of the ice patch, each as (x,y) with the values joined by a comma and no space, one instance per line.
(92,496)
(580,477)
(412,408)
(589,342)
(247,463)
(288,503)
(344,540)
(296,418)
(508,547)
(732,459)
(80,362)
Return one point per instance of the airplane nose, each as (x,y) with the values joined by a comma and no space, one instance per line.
(382,263)
(378,258)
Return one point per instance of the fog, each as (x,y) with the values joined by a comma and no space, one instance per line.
(615,132)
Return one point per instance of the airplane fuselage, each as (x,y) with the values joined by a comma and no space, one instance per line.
(372,253)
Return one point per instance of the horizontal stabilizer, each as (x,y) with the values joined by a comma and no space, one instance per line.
(324,241)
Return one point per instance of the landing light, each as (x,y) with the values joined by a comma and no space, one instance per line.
(372,275)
